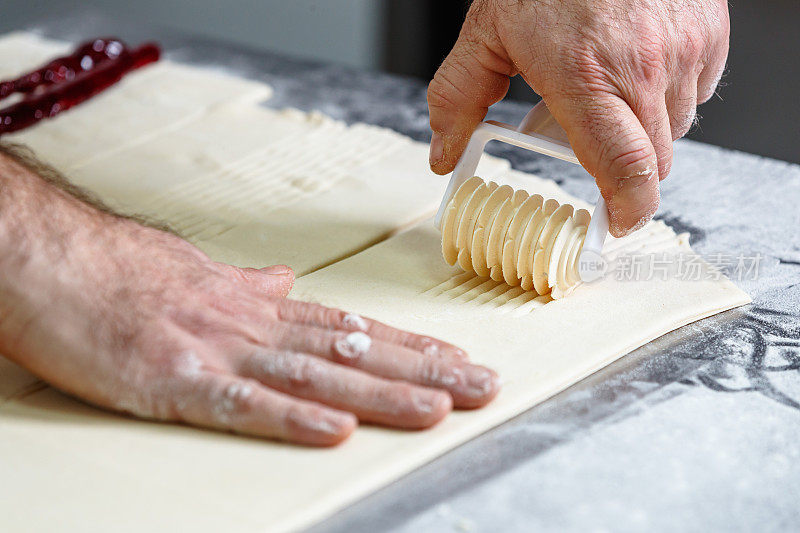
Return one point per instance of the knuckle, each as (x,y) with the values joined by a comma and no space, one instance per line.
(318,314)
(186,365)
(260,363)
(442,93)
(429,370)
(238,399)
(349,348)
(355,322)
(295,419)
(691,50)
(591,75)
(334,318)
(402,394)
(447,89)
(305,372)
(340,352)
(307,312)
(650,65)
(628,155)
(395,396)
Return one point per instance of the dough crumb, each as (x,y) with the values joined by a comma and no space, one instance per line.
(354,345)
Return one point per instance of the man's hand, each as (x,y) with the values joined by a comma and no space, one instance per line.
(137,320)
(623,77)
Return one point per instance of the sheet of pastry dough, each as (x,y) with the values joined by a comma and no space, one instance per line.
(150,100)
(539,348)
(253,186)
(36,489)
(22,51)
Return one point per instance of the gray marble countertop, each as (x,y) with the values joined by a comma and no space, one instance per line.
(699,430)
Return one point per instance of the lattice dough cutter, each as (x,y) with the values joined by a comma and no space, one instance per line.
(540,133)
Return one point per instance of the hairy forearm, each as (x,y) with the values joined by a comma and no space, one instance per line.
(36,210)
(45,224)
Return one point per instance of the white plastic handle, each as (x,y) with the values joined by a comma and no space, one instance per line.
(541,133)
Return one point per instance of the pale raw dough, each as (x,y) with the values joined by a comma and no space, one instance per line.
(105,472)
(153,99)
(275,487)
(253,186)
(509,235)
(21,52)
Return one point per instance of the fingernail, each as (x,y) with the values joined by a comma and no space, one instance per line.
(276,270)
(480,381)
(424,402)
(430,348)
(437,149)
(332,424)
(633,203)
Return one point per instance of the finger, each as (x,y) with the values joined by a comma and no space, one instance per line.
(328,318)
(371,399)
(471,78)
(274,281)
(220,401)
(469,385)
(612,145)
(654,117)
(716,54)
(709,79)
(682,107)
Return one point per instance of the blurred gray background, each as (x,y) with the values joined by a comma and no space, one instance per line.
(757,110)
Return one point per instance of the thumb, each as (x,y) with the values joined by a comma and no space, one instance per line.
(471,78)
(614,147)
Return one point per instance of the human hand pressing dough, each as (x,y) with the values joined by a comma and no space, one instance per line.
(137,320)
(622,77)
